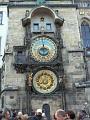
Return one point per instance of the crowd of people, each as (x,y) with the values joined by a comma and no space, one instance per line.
(59,114)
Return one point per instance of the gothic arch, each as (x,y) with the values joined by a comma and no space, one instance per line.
(85,32)
(86,19)
(43,9)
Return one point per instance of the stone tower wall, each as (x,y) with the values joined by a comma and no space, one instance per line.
(72,55)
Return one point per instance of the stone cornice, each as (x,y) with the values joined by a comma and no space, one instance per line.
(33,4)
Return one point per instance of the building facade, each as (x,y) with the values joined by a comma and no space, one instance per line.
(3,35)
(46,58)
(3,30)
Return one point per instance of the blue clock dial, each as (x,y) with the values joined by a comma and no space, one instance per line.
(43,49)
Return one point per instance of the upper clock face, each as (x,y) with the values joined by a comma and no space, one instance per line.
(43,49)
(45,81)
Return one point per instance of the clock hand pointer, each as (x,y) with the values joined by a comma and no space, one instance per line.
(43,45)
(43,42)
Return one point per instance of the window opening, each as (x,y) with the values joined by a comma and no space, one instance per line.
(48,26)
(35,26)
(85,29)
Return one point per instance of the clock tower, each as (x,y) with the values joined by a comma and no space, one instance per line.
(44,65)
(44,45)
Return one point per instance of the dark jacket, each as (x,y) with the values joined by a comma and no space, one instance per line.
(36,117)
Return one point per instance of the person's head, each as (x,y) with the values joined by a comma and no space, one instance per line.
(7,115)
(70,114)
(81,114)
(19,115)
(14,114)
(59,114)
(39,112)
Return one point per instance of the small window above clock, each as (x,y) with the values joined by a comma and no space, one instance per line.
(48,26)
(35,26)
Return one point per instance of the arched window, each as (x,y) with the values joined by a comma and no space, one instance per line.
(85,29)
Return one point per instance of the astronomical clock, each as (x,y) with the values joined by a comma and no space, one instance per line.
(44,51)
